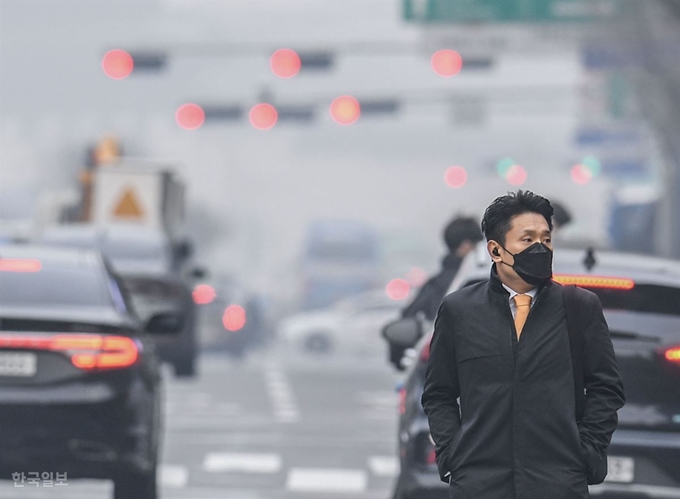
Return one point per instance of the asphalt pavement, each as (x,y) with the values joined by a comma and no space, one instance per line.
(277,425)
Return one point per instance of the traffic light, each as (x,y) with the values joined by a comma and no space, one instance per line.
(345,110)
(263,116)
(286,63)
(583,172)
(516,175)
(107,150)
(446,63)
(190,116)
(119,64)
(455,177)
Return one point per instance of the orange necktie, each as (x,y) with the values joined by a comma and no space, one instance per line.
(523,303)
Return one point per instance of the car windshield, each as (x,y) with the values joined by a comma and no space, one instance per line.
(149,295)
(124,247)
(53,287)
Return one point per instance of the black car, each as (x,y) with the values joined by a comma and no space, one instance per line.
(154,294)
(232,319)
(147,263)
(79,378)
(641,301)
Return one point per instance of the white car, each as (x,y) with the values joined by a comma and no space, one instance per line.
(351,324)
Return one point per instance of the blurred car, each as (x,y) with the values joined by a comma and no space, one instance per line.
(154,294)
(146,260)
(232,318)
(351,324)
(340,259)
(79,378)
(641,301)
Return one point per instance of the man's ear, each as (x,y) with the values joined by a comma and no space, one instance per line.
(494,250)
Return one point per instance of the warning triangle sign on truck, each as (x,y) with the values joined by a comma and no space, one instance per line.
(128,206)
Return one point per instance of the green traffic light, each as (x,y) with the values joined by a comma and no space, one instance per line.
(593,165)
(504,165)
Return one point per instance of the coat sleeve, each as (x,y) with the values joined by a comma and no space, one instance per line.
(604,391)
(427,300)
(441,391)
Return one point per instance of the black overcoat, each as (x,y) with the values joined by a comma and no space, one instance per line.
(502,411)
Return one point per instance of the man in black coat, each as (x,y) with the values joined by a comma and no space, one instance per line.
(460,236)
(499,392)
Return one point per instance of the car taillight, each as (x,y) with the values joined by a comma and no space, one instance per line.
(672,355)
(431,457)
(601,282)
(402,400)
(19,265)
(425,450)
(89,352)
(425,352)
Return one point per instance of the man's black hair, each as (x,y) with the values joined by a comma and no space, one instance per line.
(498,216)
(460,230)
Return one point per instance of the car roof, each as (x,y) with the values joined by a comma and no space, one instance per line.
(642,269)
(93,235)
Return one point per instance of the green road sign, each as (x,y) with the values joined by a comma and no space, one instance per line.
(471,11)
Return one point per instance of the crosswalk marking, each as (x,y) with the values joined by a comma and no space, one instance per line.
(384,466)
(281,394)
(326,480)
(241,462)
(172,476)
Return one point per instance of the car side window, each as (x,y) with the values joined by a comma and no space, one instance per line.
(119,295)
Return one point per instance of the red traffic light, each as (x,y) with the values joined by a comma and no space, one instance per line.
(285,63)
(455,177)
(516,175)
(263,116)
(581,174)
(203,294)
(345,110)
(234,318)
(446,63)
(190,116)
(117,64)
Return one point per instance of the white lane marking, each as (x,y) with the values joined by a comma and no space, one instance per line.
(377,405)
(386,466)
(326,480)
(239,462)
(281,395)
(378,398)
(173,476)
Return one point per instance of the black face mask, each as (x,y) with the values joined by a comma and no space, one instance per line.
(534,264)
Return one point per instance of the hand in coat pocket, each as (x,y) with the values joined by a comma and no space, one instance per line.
(596,466)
